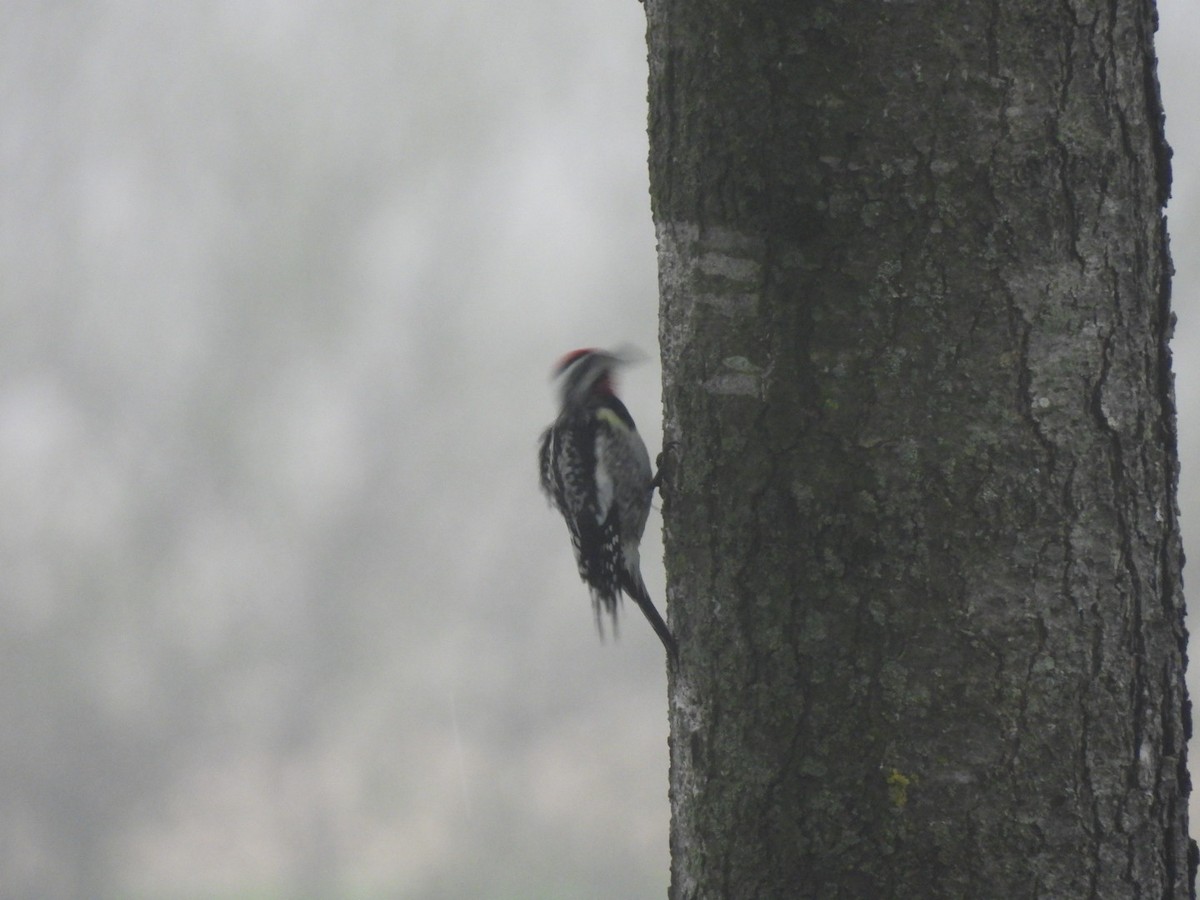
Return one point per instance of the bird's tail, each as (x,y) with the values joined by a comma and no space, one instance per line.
(636,588)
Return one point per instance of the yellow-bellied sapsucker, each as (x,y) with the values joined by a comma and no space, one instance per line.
(596,472)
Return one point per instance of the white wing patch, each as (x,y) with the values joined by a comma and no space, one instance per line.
(604,482)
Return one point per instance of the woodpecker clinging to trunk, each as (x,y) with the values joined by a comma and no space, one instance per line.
(596,472)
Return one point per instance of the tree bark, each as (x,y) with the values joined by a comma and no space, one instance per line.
(922,543)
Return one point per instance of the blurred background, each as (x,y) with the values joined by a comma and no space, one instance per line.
(282,612)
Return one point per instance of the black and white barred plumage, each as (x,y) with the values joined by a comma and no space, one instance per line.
(596,471)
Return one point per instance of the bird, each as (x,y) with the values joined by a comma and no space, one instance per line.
(595,471)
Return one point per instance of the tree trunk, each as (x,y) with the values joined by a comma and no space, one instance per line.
(922,546)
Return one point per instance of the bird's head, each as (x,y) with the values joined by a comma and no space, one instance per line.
(588,373)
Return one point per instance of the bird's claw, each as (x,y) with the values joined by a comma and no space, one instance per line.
(660,465)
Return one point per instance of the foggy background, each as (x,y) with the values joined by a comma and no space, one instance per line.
(282,612)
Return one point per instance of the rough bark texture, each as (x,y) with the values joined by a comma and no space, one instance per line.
(922,545)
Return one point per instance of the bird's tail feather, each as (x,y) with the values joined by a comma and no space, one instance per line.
(636,588)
